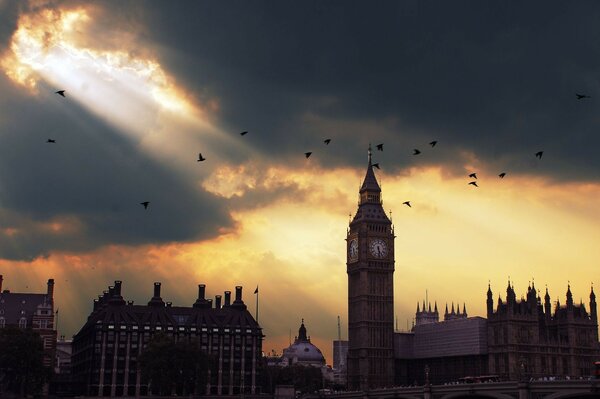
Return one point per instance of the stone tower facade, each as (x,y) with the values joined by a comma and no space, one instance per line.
(370,268)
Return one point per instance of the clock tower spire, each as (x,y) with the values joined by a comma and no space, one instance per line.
(370,268)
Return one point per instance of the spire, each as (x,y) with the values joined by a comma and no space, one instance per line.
(370,182)
(592,295)
(418,310)
(464,309)
(435,307)
(446,313)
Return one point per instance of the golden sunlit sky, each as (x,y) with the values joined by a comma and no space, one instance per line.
(150,85)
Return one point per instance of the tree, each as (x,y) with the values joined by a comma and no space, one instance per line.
(171,366)
(22,368)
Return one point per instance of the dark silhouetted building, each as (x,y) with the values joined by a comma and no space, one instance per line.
(370,268)
(449,349)
(107,348)
(35,311)
(527,339)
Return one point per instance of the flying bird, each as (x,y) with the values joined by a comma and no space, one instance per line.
(433,143)
(243,133)
(416,152)
(145,203)
(60,93)
(200,157)
(50,141)
(501,175)
(580,96)
(407,203)
(474,183)
(539,154)
(473,175)
(307,154)
(376,165)
(327,141)
(380,147)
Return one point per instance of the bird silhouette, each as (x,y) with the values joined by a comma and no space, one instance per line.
(380,147)
(474,183)
(243,133)
(433,143)
(50,141)
(327,141)
(501,175)
(60,93)
(539,154)
(473,175)
(407,203)
(416,152)
(200,157)
(376,165)
(581,96)
(307,154)
(145,203)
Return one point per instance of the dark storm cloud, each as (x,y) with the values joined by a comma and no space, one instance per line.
(495,78)
(91,181)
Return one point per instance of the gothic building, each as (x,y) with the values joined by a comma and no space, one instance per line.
(106,349)
(527,338)
(370,268)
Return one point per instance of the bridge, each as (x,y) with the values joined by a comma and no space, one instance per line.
(564,389)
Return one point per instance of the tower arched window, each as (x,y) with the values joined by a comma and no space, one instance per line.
(22,322)
(2,322)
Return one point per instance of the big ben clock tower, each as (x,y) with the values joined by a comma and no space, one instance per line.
(370,267)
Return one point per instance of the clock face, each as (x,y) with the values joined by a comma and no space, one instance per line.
(378,248)
(353,249)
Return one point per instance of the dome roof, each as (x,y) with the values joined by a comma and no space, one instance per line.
(302,351)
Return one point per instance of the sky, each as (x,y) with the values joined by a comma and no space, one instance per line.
(150,85)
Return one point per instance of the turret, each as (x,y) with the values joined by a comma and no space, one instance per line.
(569,298)
(490,301)
(50,292)
(547,305)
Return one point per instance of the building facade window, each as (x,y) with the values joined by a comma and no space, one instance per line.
(2,322)
(22,322)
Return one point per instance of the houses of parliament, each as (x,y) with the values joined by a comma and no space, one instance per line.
(523,338)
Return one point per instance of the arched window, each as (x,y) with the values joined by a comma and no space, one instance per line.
(22,322)
(2,322)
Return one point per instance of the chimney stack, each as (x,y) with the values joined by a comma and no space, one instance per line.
(111,291)
(117,291)
(217,301)
(51,289)
(1,279)
(201,301)
(239,303)
(95,304)
(156,299)
(227,298)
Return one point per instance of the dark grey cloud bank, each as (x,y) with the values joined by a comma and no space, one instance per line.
(494,78)
(93,179)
